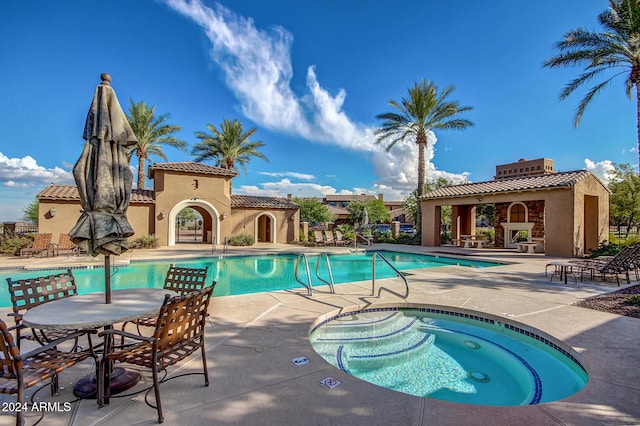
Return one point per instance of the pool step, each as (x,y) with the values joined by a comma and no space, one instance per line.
(365,327)
(375,353)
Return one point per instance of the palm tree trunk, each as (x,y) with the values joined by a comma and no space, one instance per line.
(420,191)
(638,118)
(141,176)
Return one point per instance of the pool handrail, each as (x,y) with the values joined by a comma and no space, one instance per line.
(309,285)
(373,277)
(330,282)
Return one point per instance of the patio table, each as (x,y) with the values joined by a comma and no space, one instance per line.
(562,269)
(89,311)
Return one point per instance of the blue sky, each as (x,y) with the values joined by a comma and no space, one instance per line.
(311,76)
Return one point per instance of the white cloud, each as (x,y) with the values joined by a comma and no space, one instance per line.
(603,169)
(25,172)
(285,186)
(257,68)
(295,175)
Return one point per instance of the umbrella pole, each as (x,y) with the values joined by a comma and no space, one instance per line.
(107,279)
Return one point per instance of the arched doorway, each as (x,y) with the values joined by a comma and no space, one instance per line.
(265,228)
(210,226)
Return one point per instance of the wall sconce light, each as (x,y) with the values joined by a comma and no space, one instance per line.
(224,216)
(195,184)
(163,214)
(52,212)
(293,217)
(479,199)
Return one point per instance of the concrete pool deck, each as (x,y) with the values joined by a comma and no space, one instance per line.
(252,340)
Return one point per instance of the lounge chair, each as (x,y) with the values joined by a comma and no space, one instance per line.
(64,245)
(21,371)
(627,259)
(179,333)
(31,292)
(328,236)
(41,245)
(340,238)
(320,241)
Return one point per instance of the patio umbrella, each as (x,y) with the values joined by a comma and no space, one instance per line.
(365,218)
(104,180)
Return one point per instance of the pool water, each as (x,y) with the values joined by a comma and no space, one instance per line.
(452,357)
(247,274)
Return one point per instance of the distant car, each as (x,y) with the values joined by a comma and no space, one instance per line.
(381,228)
(406,228)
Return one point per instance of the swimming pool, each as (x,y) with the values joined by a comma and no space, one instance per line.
(246,274)
(449,354)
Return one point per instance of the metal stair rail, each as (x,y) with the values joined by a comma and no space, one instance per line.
(377,254)
(308,285)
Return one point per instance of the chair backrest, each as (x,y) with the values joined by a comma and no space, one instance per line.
(182,319)
(8,351)
(318,235)
(31,292)
(65,243)
(339,235)
(329,236)
(41,241)
(185,280)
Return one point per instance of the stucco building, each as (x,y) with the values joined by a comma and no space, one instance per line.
(568,210)
(179,185)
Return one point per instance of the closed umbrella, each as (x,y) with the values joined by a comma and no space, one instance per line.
(365,218)
(104,179)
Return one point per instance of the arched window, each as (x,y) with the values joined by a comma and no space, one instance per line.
(517,213)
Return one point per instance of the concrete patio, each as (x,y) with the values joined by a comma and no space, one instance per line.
(252,339)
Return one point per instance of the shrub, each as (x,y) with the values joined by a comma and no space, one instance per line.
(13,245)
(146,241)
(633,300)
(241,240)
(606,249)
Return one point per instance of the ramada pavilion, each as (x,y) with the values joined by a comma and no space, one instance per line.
(567,211)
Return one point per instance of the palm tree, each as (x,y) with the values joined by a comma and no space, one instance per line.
(617,49)
(425,110)
(152,132)
(230,146)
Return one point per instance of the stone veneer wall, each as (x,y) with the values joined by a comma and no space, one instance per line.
(535,211)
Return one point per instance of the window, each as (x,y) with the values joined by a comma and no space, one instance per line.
(517,213)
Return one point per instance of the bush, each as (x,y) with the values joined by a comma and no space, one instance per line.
(633,300)
(146,241)
(606,249)
(12,246)
(241,240)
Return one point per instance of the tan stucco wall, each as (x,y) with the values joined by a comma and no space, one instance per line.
(247,221)
(175,191)
(564,215)
(68,213)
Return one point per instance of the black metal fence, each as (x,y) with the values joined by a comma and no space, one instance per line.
(623,231)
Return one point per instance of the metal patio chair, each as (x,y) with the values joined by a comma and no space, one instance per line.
(31,292)
(179,333)
(178,279)
(19,372)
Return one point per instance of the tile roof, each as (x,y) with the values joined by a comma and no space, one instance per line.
(190,167)
(342,197)
(531,183)
(70,192)
(251,201)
